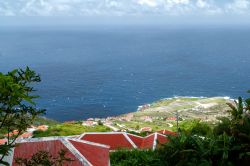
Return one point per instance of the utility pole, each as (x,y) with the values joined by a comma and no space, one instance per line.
(177,120)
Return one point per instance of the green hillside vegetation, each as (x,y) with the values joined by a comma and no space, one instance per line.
(44,121)
(227,143)
(189,108)
(68,129)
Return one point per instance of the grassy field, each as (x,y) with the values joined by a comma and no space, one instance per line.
(67,129)
(44,121)
(165,102)
(38,121)
(204,109)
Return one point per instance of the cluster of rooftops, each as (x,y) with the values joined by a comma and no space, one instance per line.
(88,149)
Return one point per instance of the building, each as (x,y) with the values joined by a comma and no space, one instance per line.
(10,134)
(166,132)
(25,135)
(42,127)
(146,119)
(171,119)
(83,153)
(89,123)
(2,141)
(88,149)
(151,141)
(123,140)
(146,129)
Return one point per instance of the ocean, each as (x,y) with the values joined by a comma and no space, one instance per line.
(106,71)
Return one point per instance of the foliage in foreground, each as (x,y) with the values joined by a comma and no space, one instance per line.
(44,121)
(135,157)
(227,144)
(44,158)
(17,108)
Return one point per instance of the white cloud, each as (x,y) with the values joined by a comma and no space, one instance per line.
(238,6)
(178,1)
(151,3)
(122,7)
(202,4)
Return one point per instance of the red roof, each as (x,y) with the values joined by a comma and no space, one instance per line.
(96,155)
(166,132)
(89,148)
(146,129)
(143,142)
(171,118)
(2,141)
(27,149)
(14,132)
(112,139)
(81,152)
(117,140)
(42,127)
(148,142)
(161,139)
(136,139)
(26,135)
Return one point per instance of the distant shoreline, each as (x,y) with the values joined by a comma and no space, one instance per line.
(146,105)
(191,97)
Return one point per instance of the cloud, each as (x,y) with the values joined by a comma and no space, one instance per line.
(151,3)
(202,4)
(122,7)
(238,6)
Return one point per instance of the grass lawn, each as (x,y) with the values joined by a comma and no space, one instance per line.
(67,129)
(44,121)
(156,125)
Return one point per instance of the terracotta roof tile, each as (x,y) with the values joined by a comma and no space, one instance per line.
(161,139)
(2,141)
(96,155)
(27,149)
(136,139)
(166,132)
(148,142)
(114,140)
(26,135)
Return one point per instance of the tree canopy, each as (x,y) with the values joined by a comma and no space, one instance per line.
(17,106)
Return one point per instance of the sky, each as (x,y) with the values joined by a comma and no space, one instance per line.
(237,10)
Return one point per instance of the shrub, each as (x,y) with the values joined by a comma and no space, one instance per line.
(135,158)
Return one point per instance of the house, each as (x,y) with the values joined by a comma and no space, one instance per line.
(83,153)
(2,141)
(42,127)
(171,119)
(123,140)
(146,119)
(116,140)
(146,129)
(10,134)
(89,123)
(143,107)
(166,132)
(129,117)
(31,129)
(25,135)
(149,142)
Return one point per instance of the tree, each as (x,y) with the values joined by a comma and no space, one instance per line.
(135,158)
(197,144)
(229,144)
(43,158)
(17,107)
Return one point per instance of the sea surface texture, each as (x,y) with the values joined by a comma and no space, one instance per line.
(105,71)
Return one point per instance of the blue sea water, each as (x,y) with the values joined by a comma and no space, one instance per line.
(104,71)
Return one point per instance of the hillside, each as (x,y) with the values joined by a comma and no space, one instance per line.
(162,114)
(156,116)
